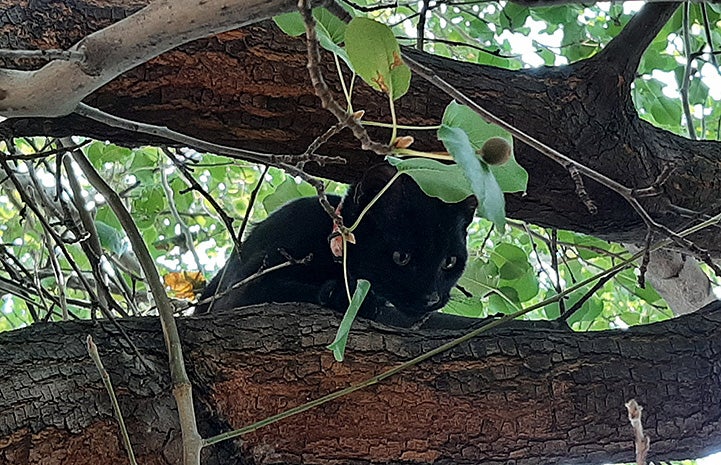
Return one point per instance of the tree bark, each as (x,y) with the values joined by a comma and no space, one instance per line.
(249,88)
(524,393)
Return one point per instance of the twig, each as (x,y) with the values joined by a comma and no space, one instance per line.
(581,191)
(251,203)
(91,241)
(380,6)
(646,259)
(56,237)
(45,153)
(182,389)
(642,442)
(320,190)
(655,186)
(547,242)
(261,272)
(95,356)
(241,231)
(709,37)
(421,26)
(324,93)
(165,133)
(687,71)
(184,230)
(59,277)
(579,303)
(322,139)
(553,250)
(195,185)
(456,43)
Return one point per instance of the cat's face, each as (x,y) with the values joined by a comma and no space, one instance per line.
(411,247)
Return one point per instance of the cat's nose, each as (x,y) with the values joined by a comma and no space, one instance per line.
(432,299)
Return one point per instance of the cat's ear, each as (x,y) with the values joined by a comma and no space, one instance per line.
(373,181)
(468,208)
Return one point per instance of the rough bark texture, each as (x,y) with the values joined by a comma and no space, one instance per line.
(249,88)
(524,394)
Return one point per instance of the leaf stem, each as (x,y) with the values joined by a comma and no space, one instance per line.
(400,126)
(372,202)
(418,153)
(393,119)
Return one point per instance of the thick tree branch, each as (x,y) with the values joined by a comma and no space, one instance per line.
(627,48)
(57,88)
(525,391)
(249,87)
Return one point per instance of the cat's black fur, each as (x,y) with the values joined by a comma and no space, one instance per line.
(404,221)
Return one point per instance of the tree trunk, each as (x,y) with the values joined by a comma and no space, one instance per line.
(249,88)
(525,393)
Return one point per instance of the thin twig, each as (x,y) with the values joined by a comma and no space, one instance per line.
(581,191)
(579,303)
(251,203)
(380,6)
(324,93)
(553,250)
(95,356)
(182,389)
(687,71)
(90,242)
(261,272)
(421,26)
(709,37)
(655,187)
(547,242)
(198,144)
(46,153)
(59,277)
(46,226)
(241,231)
(641,442)
(646,259)
(195,185)
(184,230)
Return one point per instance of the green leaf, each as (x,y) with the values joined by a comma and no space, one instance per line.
(333,26)
(341,337)
(445,182)
(150,202)
(589,311)
(376,57)
(491,203)
(290,23)
(511,176)
(513,16)
(100,153)
(526,285)
(505,303)
(330,30)
(144,165)
(105,214)
(110,238)
(284,193)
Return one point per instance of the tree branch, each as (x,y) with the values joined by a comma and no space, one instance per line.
(58,87)
(626,49)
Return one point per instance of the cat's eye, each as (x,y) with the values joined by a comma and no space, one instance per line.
(449,262)
(401,258)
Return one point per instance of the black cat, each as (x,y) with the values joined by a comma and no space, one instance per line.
(411,247)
